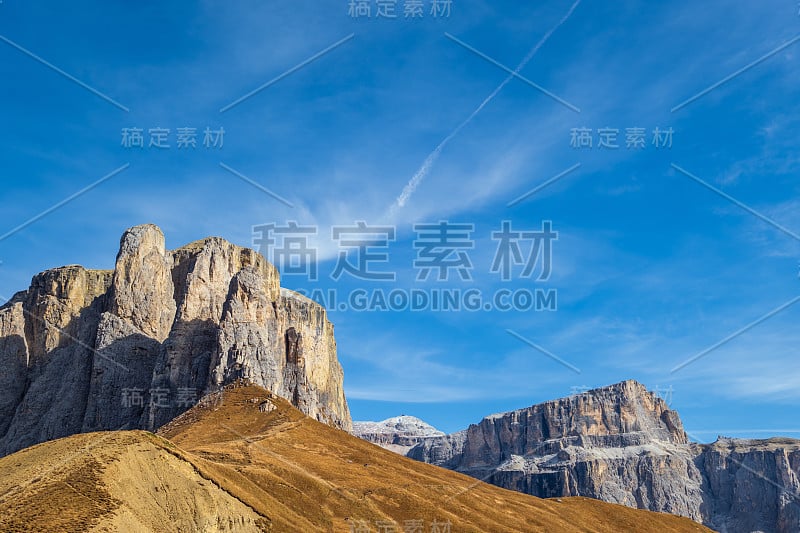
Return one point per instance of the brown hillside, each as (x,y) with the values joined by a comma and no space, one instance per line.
(246,460)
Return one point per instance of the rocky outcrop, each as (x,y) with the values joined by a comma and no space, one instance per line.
(142,289)
(445,451)
(398,434)
(597,444)
(751,485)
(622,444)
(86,350)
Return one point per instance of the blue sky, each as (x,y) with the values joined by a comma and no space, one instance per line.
(651,266)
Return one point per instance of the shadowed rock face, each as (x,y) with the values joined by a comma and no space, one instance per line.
(622,444)
(85,350)
(751,485)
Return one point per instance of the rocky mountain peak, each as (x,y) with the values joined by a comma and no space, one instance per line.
(141,289)
(402,423)
(622,444)
(398,434)
(88,350)
(625,408)
(590,444)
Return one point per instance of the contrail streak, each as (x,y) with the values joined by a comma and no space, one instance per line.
(423,171)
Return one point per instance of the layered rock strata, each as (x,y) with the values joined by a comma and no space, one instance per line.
(86,350)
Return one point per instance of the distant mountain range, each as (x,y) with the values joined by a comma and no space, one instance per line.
(620,444)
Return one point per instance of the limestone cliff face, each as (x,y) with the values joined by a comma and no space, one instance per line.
(751,485)
(87,350)
(622,444)
(598,444)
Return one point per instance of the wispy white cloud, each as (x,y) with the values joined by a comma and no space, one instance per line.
(393,369)
(427,165)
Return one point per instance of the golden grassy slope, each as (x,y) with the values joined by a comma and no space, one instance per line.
(123,481)
(232,466)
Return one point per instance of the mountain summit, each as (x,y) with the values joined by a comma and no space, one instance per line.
(398,434)
(88,350)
